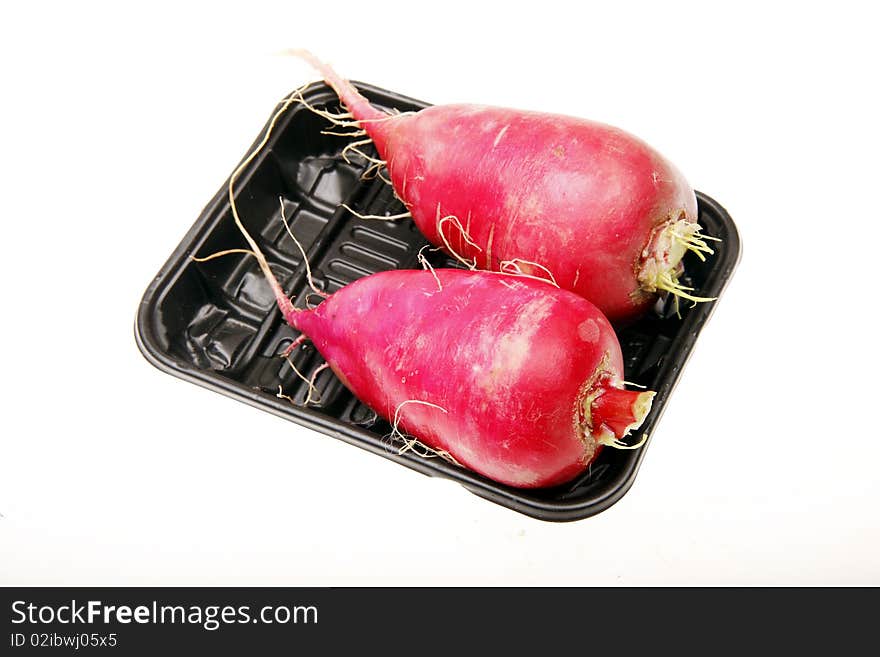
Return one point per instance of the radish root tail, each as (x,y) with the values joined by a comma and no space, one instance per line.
(284,304)
(361,115)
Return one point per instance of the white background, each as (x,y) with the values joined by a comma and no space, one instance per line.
(119,123)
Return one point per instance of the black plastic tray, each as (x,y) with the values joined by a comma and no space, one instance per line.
(216,324)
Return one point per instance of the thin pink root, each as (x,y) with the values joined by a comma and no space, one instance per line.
(293,345)
(358,105)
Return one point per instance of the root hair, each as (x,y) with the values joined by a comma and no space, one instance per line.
(427,265)
(293,345)
(344,119)
(218,254)
(333,133)
(311,282)
(341,119)
(390,217)
(283,302)
(505,266)
(414,445)
(353,146)
(463,234)
(611,441)
(690,236)
(312,387)
(670,283)
(310,382)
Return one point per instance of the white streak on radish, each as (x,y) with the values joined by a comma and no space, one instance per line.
(513,349)
(588,331)
(500,135)
(489,246)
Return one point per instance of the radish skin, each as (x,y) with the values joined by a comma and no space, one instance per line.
(517,380)
(595,207)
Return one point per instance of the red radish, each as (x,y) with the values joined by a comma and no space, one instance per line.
(585,204)
(514,378)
